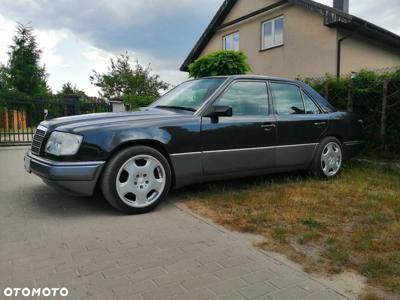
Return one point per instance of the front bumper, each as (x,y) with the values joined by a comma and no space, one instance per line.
(78,178)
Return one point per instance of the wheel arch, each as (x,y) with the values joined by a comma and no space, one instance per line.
(334,135)
(157,145)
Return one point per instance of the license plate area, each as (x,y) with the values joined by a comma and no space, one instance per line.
(27,164)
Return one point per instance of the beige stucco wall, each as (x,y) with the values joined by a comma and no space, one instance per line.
(309,47)
(360,52)
(244,7)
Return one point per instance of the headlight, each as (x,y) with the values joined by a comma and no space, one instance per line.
(62,143)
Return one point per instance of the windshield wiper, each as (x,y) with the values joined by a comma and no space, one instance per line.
(176,107)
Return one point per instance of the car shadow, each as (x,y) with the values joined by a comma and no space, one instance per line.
(47,201)
(51,202)
(239,184)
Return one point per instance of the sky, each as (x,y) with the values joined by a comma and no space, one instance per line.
(78,36)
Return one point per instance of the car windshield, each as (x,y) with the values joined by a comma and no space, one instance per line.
(189,95)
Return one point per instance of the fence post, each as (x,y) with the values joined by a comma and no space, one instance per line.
(71,105)
(384,113)
(350,105)
(326,90)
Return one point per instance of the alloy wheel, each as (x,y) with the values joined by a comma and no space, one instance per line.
(140,181)
(331,159)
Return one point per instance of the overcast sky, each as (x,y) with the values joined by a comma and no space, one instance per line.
(77,36)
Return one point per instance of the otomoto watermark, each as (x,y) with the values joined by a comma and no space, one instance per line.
(35,292)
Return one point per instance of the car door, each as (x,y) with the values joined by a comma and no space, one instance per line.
(300,124)
(243,142)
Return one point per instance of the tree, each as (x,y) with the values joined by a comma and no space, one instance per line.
(69,89)
(225,62)
(26,76)
(123,80)
(4,82)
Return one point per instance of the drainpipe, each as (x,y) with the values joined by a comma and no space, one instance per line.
(339,53)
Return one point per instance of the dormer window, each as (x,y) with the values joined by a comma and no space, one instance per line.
(272,33)
(231,41)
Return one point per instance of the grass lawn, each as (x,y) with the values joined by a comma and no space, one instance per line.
(351,223)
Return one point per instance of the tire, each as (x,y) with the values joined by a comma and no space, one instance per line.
(136,180)
(328,159)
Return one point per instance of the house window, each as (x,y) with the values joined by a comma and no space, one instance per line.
(272,33)
(231,41)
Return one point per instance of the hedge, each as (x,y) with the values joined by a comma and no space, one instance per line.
(375,96)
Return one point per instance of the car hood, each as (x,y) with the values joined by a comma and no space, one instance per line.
(79,122)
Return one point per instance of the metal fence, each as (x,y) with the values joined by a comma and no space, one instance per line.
(20,117)
(375,96)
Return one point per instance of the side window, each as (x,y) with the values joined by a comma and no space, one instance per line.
(246,98)
(287,99)
(310,106)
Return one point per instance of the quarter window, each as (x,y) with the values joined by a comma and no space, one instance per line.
(310,107)
(272,33)
(231,41)
(246,98)
(287,99)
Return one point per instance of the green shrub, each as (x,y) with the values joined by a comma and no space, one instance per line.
(139,101)
(225,62)
(367,94)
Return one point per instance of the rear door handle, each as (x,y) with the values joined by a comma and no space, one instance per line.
(320,123)
(268,126)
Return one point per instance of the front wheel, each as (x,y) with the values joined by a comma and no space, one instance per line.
(328,159)
(136,180)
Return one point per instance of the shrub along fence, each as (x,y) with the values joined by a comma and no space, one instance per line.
(375,96)
(20,117)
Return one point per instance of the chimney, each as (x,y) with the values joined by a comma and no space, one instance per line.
(342,5)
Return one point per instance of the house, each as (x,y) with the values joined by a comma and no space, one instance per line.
(292,38)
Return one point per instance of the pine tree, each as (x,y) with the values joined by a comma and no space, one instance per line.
(69,89)
(26,77)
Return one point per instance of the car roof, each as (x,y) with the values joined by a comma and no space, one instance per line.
(259,77)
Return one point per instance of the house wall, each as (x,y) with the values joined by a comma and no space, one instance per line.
(360,52)
(245,7)
(309,47)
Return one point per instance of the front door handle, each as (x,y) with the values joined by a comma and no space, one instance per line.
(320,123)
(268,127)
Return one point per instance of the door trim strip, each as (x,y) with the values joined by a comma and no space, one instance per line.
(243,149)
(353,143)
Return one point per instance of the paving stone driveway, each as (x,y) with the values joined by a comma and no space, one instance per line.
(51,240)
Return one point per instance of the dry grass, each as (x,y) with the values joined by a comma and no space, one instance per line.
(350,223)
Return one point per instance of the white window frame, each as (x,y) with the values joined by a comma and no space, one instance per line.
(231,36)
(272,21)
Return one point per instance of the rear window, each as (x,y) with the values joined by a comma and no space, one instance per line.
(323,103)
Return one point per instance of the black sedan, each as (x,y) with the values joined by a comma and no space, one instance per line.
(205,129)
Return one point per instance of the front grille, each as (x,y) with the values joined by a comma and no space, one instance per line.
(38,140)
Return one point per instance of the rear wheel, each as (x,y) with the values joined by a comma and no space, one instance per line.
(136,180)
(328,160)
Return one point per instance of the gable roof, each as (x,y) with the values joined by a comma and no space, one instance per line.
(332,18)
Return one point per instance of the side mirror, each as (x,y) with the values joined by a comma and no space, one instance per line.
(220,111)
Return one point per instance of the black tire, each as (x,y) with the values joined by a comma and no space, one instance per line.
(317,169)
(112,169)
